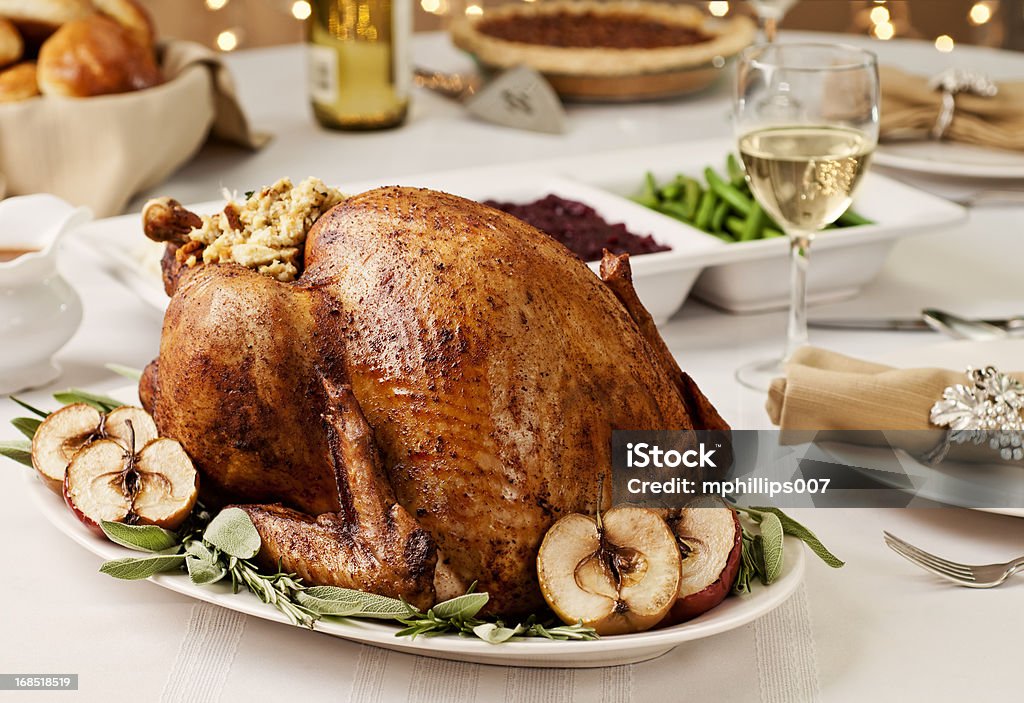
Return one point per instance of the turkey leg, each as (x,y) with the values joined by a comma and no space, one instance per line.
(371,543)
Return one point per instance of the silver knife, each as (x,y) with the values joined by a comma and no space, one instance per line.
(902,323)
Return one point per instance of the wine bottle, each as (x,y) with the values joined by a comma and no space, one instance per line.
(359,72)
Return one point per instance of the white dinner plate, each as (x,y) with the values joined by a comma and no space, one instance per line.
(950,159)
(1004,354)
(734,612)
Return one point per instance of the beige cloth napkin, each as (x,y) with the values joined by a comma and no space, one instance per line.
(824,390)
(100,151)
(909,105)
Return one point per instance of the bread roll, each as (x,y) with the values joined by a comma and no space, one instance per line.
(18,82)
(11,46)
(38,19)
(131,15)
(95,56)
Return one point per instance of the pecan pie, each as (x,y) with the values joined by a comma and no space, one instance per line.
(600,39)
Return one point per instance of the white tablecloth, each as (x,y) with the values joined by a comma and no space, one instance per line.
(878,629)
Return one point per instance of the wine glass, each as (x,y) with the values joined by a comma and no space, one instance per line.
(806,118)
(769,14)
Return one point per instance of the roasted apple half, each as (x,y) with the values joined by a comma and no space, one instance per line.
(157,485)
(618,573)
(64,432)
(710,543)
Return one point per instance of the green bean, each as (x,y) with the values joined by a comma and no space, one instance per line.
(691,197)
(736,174)
(705,210)
(754,224)
(739,202)
(718,217)
(671,191)
(852,219)
(676,210)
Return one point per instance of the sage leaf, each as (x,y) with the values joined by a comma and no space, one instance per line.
(203,571)
(103,403)
(126,371)
(324,606)
(794,528)
(27,425)
(144,538)
(34,410)
(134,568)
(233,533)
(495,634)
(18,450)
(771,546)
(359,603)
(465,606)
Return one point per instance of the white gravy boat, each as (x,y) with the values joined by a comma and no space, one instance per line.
(39,310)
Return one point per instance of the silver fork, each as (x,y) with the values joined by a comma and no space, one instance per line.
(972,576)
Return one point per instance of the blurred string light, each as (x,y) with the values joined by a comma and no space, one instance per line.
(884,30)
(718,8)
(882,26)
(216,4)
(474,10)
(434,7)
(944,43)
(301,9)
(227,40)
(981,13)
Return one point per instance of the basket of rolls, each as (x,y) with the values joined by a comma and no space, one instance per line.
(94,109)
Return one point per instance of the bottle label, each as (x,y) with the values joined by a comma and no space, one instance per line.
(323,74)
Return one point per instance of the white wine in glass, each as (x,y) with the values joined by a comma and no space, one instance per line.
(806,119)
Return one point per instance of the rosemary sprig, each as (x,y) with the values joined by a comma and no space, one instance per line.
(277,590)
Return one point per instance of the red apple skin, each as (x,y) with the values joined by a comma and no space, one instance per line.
(701,602)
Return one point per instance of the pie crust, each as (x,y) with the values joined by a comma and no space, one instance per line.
(723,38)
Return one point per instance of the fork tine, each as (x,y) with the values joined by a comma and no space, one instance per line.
(951,565)
(924,559)
(958,577)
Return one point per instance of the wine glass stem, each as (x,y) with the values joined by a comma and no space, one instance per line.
(770,25)
(799,251)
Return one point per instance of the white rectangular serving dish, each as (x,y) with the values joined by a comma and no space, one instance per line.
(737,277)
(754,276)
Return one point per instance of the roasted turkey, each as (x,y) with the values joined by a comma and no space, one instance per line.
(411,415)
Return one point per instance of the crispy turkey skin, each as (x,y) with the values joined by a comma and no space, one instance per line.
(434,391)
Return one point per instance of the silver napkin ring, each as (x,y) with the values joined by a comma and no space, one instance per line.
(953,82)
(990,408)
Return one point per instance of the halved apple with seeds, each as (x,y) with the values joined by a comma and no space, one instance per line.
(710,543)
(616,574)
(64,432)
(155,486)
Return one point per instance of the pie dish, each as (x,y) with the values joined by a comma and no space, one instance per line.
(609,50)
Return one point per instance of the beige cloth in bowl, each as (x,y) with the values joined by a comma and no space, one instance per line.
(824,390)
(909,106)
(100,151)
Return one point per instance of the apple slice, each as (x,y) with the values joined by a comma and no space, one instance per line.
(127,423)
(168,484)
(617,574)
(59,438)
(710,545)
(157,486)
(97,486)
